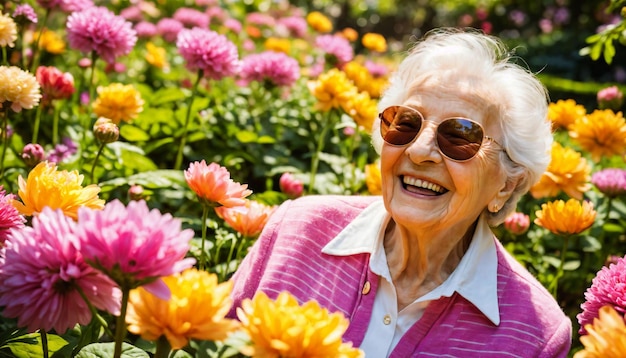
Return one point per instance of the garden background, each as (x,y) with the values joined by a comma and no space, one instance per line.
(210,113)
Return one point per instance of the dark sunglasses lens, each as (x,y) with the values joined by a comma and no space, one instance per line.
(459,139)
(399,125)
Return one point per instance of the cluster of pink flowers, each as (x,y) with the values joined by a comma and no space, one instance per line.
(208,51)
(275,67)
(191,17)
(336,47)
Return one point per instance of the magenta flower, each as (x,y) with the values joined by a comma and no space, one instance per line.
(62,151)
(260,19)
(290,185)
(169,28)
(33,154)
(9,216)
(99,30)
(611,181)
(517,223)
(134,245)
(276,68)
(233,25)
(42,274)
(295,25)
(336,48)
(24,14)
(146,29)
(376,69)
(191,17)
(208,51)
(607,288)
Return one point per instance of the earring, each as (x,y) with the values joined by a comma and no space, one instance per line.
(495,208)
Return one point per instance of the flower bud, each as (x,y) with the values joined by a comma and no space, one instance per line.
(610,98)
(290,185)
(33,154)
(517,223)
(106,131)
(136,192)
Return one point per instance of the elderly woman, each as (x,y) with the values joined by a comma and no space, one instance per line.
(463,133)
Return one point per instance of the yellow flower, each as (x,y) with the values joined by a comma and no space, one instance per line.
(373,179)
(278,45)
(319,22)
(602,133)
(118,102)
(8,30)
(46,186)
(362,109)
(283,328)
(51,42)
(374,42)
(568,171)
(565,112)
(606,337)
(349,34)
(156,56)
(571,217)
(363,79)
(196,310)
(332,89)
(18,88)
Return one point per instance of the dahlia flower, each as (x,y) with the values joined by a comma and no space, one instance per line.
(566,217)
(363,110)
(563,113)
(19,88)
(283,328)
(145,29)
(336,48)
(46,186)
(277,45)
(97,29)
(55,84)
(274,67)
(290,185)
(8,30)
(118,102)
(24,14)
(9,216)
(134,245)
(611,181)
(295,25)
(213,185)
(156,56)
(374,42)
(517,223)
(568,171)
(70,6)
(248,219)
(373,179)
(332,89)
(190,17)
(349,33)
(608,288)
(319,22)
(196,310)
(208,51)
(233,25)
(169,28)
(376,69)
(51,42)
(42,276)
(602,133)
(260,18)
(606,336)
(610,98)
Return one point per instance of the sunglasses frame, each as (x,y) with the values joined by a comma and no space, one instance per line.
(484,138)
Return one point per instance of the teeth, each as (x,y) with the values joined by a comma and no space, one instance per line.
(422,184)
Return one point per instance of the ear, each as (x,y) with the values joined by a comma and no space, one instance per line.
(503,194)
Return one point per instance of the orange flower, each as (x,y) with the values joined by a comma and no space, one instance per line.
(568,171)
(249,219)
(319,22)
(213,185)
(278,45)
(563,113)
(373,179)
(349,34)
(332,89)
(602,133)
(606,337)
(374,42)
(562,218)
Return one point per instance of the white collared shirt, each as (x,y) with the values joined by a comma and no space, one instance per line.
(475,278)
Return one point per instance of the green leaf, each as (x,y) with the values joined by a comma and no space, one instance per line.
(29,345)
(246,136)
(169,94)
(106,350)
(609,51)
(134,160)
(133,134)
(571,265)
(611,227)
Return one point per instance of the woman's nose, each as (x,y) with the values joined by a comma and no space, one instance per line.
(424,147)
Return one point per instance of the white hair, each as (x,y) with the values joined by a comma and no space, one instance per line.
(518,99)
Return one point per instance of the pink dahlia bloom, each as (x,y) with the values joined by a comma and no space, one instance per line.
(208,51)
(9,216)
(610,181)
(100,30)
(169,28)
(70,6)
(274,67)
(145,29)
(336,47)
(55,84)
(213,185)
(42,273)
(191,17)
(233,25)
(295,25)
(134,245)
(290,185)
(24,14)
(607,288)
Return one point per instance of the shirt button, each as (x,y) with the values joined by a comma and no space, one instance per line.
(366,288)
(387,320)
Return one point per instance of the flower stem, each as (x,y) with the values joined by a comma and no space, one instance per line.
(95,161)
(183,139)
(55,125)
(94,312)
(37,122)
(120,326)
(163,348)
(5,139)
(35,62)
(555,284)
(205,215)
(315,159)
(44,343)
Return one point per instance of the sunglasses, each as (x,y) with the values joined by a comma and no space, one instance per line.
(458,139)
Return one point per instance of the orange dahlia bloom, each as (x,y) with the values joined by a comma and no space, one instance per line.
(568,171)
(196,310)
(249,219)
(602,133)
(332,89)
(319,22)
(46,186)
(374,42)
(563,218)
(283,328)
(213,185)
(118,102)
(563,113)
(606,337)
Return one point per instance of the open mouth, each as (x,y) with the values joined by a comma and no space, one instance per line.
(423,187)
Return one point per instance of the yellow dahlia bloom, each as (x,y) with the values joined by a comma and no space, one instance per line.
(19,89)
(51,42)
(283,328)
(373,179)
(319,22)
(196,310)
(606,337)
(571,217)
(118,102)
(46,186)
(374,42)
(332,89)
(8,30)
(278,45)
(156,56)
(568,171)
(363,110)
(565,112)
(601,133)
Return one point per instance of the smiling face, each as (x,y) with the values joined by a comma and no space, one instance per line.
(426,192)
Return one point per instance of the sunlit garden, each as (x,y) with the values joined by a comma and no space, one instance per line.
(144,144)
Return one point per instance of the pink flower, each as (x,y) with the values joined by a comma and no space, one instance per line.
(517,223)
(169,28)
(9,216)
(607,288)
(146,29)
(191,17)
(33,154)
(24,14)
(249,219)
(42,273)
(233,25)
(337,49)
(213,185)
(610,98)
(295,25)
(208,51)
(290,185)
(610,181)
(275,67)
(54,83)
(100,30)
(134,245)
(70,6)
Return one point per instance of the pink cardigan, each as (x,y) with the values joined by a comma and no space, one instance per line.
(288,257)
